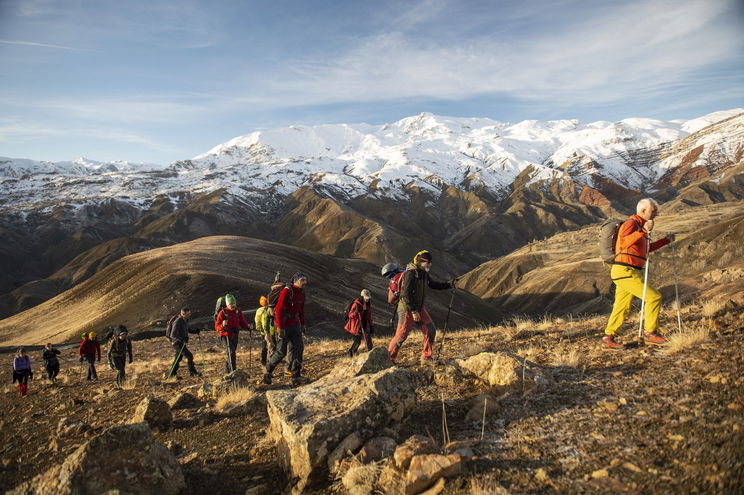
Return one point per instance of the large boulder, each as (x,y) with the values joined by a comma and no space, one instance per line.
(122,459)
(364,394)
(153,411)
(505,369)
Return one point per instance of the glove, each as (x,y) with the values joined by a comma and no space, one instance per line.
(303,329)
(99,359)
(371,329)
(671,237)
(81,359)
(30,374)
(198,331)
(282,333)
(130,360)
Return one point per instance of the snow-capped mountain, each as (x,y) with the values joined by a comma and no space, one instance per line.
(350,160)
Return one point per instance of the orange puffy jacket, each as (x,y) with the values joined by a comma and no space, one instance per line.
(632,246)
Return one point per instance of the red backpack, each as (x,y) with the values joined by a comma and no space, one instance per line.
(393,295)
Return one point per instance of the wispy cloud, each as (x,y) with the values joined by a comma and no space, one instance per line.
(44,45)
(615,52)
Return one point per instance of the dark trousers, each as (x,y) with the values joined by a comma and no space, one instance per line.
(231,347)
(52,370)
(181,351)
(363,334)
(120,363)
(268,346)
(291,335)
(92,375)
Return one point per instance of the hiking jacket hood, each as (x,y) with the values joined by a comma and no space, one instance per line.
(359,317)
(413,288)
(235,321)
(632,246)
(89,348)
(290,308)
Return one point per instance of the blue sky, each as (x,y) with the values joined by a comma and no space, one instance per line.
(158,81)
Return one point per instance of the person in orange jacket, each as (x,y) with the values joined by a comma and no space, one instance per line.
(632,248)
(229,321)
(88,350)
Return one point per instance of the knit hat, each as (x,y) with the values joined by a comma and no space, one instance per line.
(230,299)
(298,276)
(85,335)
(263,301)
(366,294)
(422,256)
(92,335)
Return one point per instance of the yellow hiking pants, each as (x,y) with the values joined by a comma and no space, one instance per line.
(629,284)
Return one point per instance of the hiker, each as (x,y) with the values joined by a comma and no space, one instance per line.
(290,322)
(117,353)
(359,322)
(179,337)
(228,323)
(22,371)
(411,309)
(88,350)
(265,325)
(51,363)
(632,248)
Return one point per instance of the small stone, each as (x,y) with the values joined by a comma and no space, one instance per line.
(632,467)
(541,475)
(617,373)
(623,401)
(676,438)
(600,473)
(258,490)
(734,406)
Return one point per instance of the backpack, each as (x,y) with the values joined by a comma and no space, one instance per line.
(608,239)
(393,295)
(169,326)
(345,314)
(219,306)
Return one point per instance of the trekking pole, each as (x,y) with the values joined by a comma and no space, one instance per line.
(676,286)
(201,351)
(250,351)
(173,366)
(645,285)
(446,322)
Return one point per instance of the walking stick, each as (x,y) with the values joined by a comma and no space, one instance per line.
(173,366)
(201,351)
(645,285)
(446,322)
(250,352)
(676,287)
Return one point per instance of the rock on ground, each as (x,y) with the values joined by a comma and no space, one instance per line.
(504,369)
(124,457)
(363,394)
(153,411)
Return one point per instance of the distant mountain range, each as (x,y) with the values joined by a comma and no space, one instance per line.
(470,190)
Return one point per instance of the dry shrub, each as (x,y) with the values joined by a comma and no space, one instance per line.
(486,485)
(360,480)
(235,396)
(688,337)
(522,323)
(567,357)
(130,381)
(713,306)
(547,322)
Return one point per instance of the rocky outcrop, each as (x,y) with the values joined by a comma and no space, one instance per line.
(308,423)
(122,459)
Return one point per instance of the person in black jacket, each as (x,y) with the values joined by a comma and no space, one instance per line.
(117,354)
(179,337)
(51,363)
(411,309)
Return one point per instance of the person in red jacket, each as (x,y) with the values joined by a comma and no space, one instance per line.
(359,322)
(290,323)
(88,350)
(632,248)
(229,322)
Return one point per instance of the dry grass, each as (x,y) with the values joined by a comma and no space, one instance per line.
(713,306)
(522,323)
(486,485)
(360,480)
(567,357)
(234,397)
(688,337)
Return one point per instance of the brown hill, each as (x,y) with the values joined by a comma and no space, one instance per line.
(146,287)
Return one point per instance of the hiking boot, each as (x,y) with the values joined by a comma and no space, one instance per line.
(196,373)
(654,338)
(266,379)
(610,343)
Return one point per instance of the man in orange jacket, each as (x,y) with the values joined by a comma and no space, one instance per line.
(632,248)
